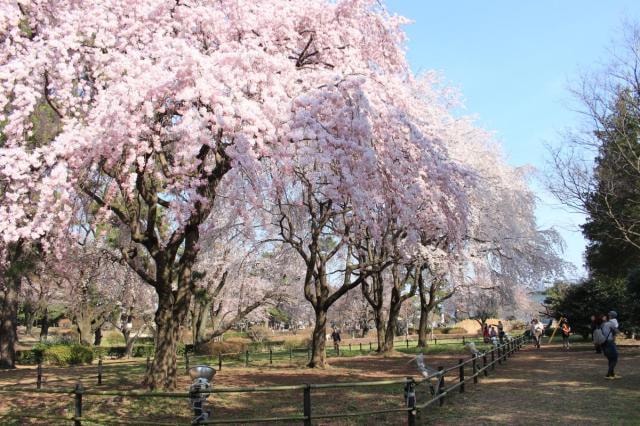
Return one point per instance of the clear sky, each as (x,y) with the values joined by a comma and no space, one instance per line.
(514,62)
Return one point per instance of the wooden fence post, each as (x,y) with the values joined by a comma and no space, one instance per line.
(435,340)
(307,405)
(463,340)
(186,360)
(246,358)
(407,343)
(499,355)
(410,396)
(39,376)
(493,359)
(484,364)
(219,361)
(100,371)
(77,418)
(270,356)
(474,366)
(148,363)
(349,347)
(360,347)
(370,348)
(290,354)
(461,374)
(441,384)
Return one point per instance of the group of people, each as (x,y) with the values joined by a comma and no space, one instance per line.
(537,331)
(604,329)
(490,334)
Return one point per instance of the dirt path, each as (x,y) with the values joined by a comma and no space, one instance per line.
(550,386)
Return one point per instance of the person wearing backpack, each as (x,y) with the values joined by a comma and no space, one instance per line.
(596,322)
(607,335)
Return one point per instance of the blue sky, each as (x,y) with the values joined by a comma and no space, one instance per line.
(514,62)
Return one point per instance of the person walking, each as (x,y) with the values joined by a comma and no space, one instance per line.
(566,332)
(609,349)
(335,336)
(537,329)
(485,333)
(501,331)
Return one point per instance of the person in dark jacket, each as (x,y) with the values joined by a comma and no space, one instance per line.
(609,348)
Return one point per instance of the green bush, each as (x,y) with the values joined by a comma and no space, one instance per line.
(143,351)
(63,355)
(121,351)
(29,357)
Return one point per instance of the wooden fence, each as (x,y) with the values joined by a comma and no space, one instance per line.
(268,355)
(478,365)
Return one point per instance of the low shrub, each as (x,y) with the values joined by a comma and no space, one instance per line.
(121,351)
(303,342)
(455,330)
(28,357)
(215,348)
(143,351)
(259,333)
(64,355)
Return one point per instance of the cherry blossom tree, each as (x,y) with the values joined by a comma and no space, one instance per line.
(236,277)
(388,166)
(160,104)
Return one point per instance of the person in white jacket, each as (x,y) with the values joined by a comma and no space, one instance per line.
(537,330)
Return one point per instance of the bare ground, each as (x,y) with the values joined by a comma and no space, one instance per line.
(547,386)
(552,387)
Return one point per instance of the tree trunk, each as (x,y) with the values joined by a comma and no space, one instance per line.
(172,311)
(392,321)
(129,340)
(97,340)
(44,328)
(29,315)
(85,333)
(163,369)
(319,340)
(199,322)
(9,323)
(424,325)
(380,334)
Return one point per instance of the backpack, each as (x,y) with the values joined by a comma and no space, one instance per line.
(598,336)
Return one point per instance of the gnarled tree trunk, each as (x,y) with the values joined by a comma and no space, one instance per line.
(168,319)
(428,300)
(319,340)
(9,322)
(392,321)
(399,279)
